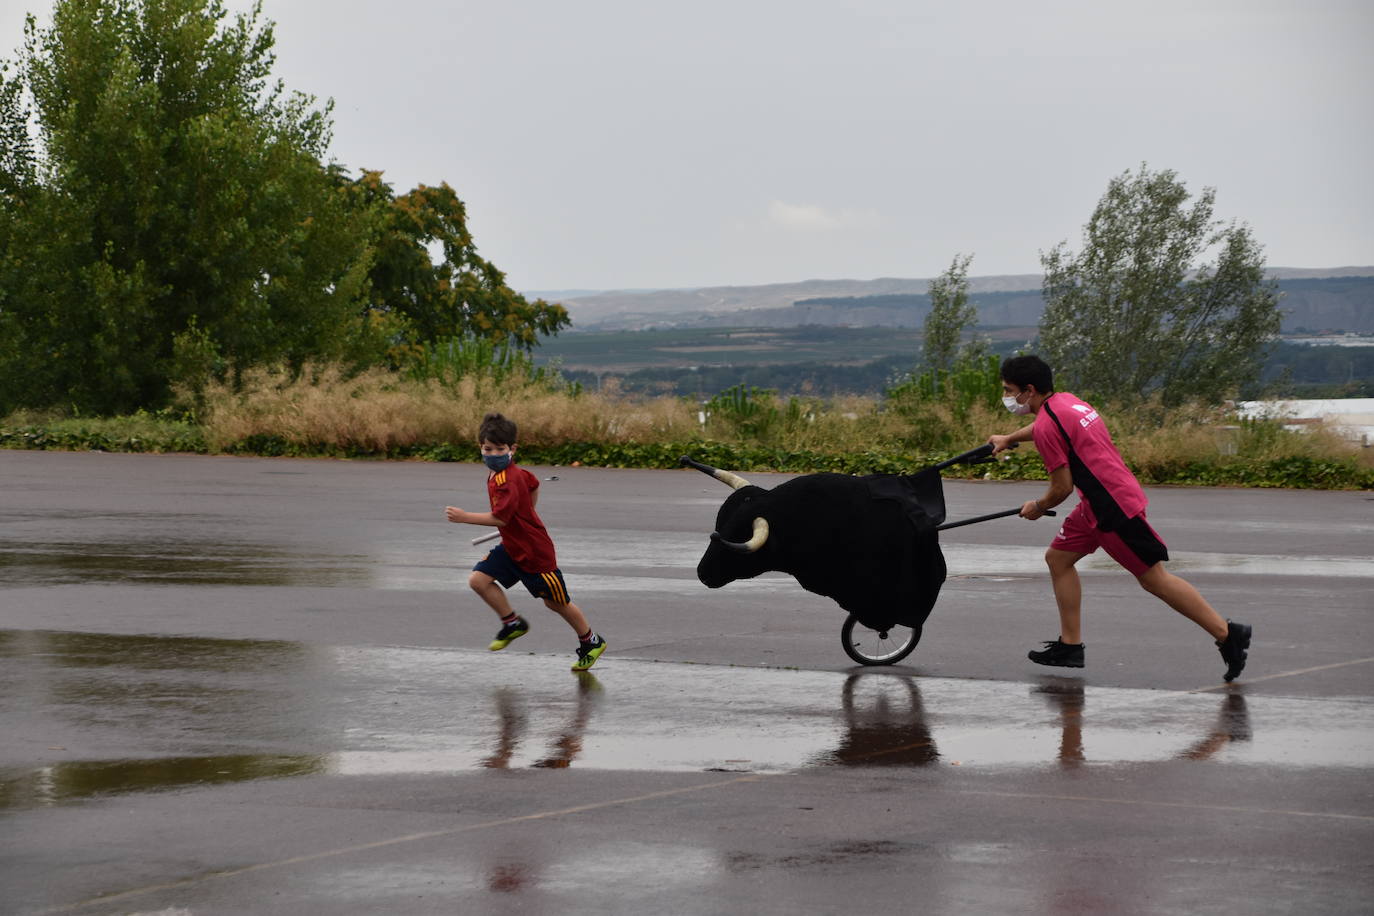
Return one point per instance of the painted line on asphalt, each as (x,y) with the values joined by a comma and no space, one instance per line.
(395,841)
(1282,674)
(1191,806)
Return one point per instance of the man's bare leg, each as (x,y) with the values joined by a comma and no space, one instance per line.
(1068,593)
(1180,595)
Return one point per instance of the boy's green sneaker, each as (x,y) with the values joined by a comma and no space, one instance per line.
(509,634)
(588,654)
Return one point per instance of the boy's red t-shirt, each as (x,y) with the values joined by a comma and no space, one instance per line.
(523,534)
(1093,444)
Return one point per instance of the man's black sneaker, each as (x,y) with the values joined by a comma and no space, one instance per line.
(1058,654)
(1235,648)
(509,634)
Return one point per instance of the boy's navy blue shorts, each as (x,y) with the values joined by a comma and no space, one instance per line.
(503,569)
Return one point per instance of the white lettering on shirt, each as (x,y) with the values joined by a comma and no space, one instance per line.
(1090,414)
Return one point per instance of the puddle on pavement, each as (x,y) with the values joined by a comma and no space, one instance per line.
(402,559)
(61,649)
(88,715)
(180,562)
(66,782)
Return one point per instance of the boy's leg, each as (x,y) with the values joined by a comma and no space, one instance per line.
(1068,593)
(590,644)
(571,613)
(550,588)
(491,592)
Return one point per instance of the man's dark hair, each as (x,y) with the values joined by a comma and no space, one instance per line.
(496,429)
(1028,370)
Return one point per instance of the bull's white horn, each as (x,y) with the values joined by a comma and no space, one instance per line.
(754,543)
(734,480)
(729,478)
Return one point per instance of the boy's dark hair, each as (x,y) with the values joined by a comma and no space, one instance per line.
(496,429)
(1028,370)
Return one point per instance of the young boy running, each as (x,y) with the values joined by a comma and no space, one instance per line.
(1078,453)
(526,552)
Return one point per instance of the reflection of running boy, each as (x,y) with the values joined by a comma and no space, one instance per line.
(1078,453)
(526,552)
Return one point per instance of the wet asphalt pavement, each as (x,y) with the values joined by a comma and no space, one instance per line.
(235,685)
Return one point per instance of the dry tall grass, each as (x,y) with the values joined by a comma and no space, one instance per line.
(379,411)
(1151,439)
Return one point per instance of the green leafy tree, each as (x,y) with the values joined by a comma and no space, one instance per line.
(462,295)
(173,194)
(1142,310)
(950,315)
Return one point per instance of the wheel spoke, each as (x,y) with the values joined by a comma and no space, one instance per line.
(877,647)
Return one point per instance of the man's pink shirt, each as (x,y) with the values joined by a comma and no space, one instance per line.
(1088,433)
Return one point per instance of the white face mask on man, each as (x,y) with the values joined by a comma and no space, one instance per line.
(1015,406)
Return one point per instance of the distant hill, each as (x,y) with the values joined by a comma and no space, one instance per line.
(623,308)
(1315,299)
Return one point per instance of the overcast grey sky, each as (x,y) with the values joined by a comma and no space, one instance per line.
(632,143)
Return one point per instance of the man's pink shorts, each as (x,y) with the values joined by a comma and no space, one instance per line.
(1134,545)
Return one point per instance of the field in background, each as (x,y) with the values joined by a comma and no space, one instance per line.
(625,351)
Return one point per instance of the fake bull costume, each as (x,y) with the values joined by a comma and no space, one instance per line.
(869,543)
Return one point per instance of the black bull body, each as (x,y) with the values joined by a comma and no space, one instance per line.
(868,543)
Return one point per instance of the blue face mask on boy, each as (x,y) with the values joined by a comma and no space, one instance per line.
(497,462)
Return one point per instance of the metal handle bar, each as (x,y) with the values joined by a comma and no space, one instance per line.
(972,456)
(986,518)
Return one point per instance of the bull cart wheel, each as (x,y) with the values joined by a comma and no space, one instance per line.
(877,647)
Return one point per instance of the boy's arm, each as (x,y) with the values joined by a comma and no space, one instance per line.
(454,514)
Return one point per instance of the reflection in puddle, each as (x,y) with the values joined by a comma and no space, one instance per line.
(1232,724)
(92,714)
(182,562)
(563,748)
(61,649)
(65,782)
(884,724)
(523,865)
(1066,696)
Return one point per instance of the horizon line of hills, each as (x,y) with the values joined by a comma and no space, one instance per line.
(1313,300)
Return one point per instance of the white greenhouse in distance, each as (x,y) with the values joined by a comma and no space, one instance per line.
(1353,418)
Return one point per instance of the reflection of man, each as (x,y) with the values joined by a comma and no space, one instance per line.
(1233,724)
(1067,694)
(885,723)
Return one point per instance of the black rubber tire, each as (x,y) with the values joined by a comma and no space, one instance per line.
(873,647)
